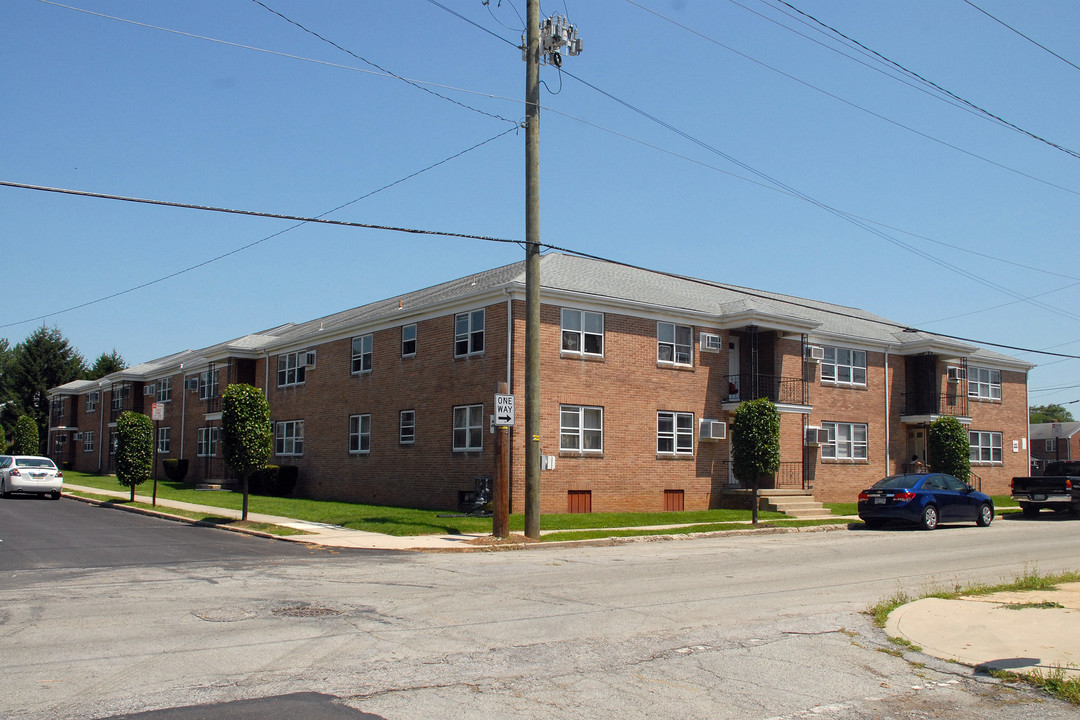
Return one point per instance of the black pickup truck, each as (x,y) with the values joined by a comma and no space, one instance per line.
(1058,488)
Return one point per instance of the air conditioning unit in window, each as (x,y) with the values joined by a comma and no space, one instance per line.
(192,383)
(712,430)
(78,437)
(149,389)
(710,342)
(816,436)
(955,374)
(815,353)
(309,359)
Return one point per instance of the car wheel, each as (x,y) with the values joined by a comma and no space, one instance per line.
(929,519)
(1029,511)
(986,515)
(3,490)
(55,495)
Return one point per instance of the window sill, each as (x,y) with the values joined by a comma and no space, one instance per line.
(581,453)
(674,456)
(679,367)
(584,357)
(359,453)
(850,386)
(988,463)
(991,401)
(845,461)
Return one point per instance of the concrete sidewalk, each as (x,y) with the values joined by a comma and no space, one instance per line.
(982,631)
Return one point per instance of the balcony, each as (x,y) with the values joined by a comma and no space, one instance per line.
(929,406)
(780,390)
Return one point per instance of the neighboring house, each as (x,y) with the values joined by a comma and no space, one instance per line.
(1054,441)
(389,403)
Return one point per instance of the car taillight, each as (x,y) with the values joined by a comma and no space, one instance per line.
(904,496)
(863,495)
(15,472)
(1068,484)
(59,473)
(1012,485)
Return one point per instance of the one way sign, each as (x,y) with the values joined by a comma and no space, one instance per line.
(504,410)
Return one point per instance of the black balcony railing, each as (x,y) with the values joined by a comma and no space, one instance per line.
(928,403)
(213,404)
(788,477)
(750,386)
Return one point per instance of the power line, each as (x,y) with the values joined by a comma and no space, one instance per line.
(1010,27)
(414,84)
(931,83)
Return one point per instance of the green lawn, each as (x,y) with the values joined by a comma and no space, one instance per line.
(406,521)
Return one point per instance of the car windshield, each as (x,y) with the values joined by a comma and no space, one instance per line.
(35,462)
(897,481)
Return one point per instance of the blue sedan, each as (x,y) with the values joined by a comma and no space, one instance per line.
(925,500)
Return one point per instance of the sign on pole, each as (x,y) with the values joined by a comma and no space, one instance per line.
(504,410)
(157,411)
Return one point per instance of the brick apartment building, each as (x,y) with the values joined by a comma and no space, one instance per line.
(1054,441)
(389,403)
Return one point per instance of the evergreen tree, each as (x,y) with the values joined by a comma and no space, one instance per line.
(42,361)
(106,364)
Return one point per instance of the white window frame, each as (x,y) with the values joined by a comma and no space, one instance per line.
(985,447)
(363,347)
(208,384)
(469,333)
(468,428)
(88,441)
(581,428)
(292,368)
(844,366)
(408,335)
(163,440)
(1051,445)
(407,427)
(289,438)
(206,444)
(92,400)
(120,393)
(669,349)
(674,433)
(845,442)
(164,389)
(582,329)
(984,383)
(360,434)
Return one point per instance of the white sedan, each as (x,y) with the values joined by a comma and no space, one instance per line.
(30,474)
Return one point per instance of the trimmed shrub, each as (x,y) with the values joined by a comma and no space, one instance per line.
(755,438)
(25,440)
(263,482)
(134,449)
(286,482)
(949,448)
(175,469)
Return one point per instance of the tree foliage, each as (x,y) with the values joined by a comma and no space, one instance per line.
(106,364)
(755,438)
(134,449)
(26,439)
(43,360)
(247,436)
(948,448)
(1038,414)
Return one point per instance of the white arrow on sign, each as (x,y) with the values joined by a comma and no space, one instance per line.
(504,410)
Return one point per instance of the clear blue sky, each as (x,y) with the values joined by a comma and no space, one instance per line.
(206,117)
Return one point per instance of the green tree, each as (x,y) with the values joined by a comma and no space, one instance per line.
(134,449)
(26,440)
(755,443)
(247,436)
(948,448)
(106,364)
(42,361)
(1038,414)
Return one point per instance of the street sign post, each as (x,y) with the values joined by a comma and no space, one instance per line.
(504,410)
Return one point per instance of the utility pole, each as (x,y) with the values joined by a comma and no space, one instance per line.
(540,41)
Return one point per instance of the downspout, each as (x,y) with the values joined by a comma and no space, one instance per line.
(888,415)
(101,427)
(183,408)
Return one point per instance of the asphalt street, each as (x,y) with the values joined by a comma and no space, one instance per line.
(762,626)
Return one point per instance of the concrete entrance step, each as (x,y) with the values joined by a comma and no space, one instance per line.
(796,503)
(217,485)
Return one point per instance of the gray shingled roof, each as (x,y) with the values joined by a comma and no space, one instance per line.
(1045,431)
(607,282)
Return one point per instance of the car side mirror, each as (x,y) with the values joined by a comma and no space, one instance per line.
(968,488)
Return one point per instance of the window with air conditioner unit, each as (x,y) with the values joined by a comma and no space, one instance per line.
(711,342)
(149,389)
(816,436)
(815,353)
(712,430)
(955,374)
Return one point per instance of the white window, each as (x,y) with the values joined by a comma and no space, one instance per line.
(408,340)
(208,384)
(468,333)
(847,441)
(112,442)
(581,428)
(163,440)
(984,383)
(985,446)
(361,353)
(359,434)
(291,368)
(88,441)
(582,332)
(844,366)
(206,443)
(1051,445)
(675,433)
(407,427)
(468,427)
(119,394)
(92,401)
(674,343)
(164,389)
(289,438)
